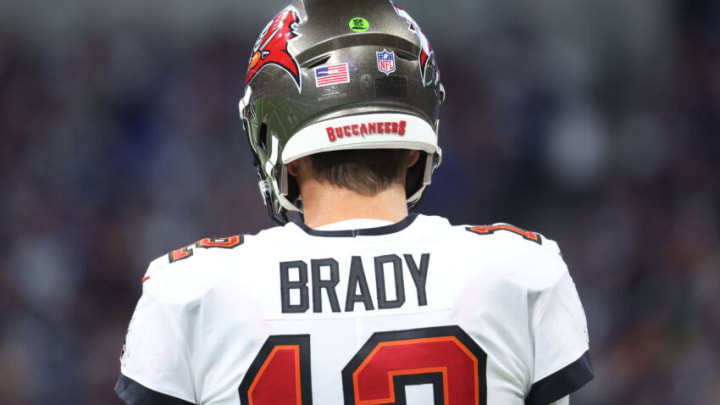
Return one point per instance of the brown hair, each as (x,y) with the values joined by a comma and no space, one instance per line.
(365,171)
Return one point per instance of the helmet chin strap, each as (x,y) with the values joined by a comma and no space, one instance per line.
(277,214)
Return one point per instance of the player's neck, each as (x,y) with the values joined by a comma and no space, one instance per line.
(325,204)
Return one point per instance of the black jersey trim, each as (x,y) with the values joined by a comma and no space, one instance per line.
(134,393)
(351,233)
(562,382)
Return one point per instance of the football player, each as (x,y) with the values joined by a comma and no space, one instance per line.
(362,301)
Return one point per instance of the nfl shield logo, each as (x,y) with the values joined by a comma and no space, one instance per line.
(386,61)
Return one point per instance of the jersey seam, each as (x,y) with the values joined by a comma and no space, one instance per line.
(541,309)
(186,349)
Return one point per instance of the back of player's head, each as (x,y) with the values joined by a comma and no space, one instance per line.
(340,75)
(364,171)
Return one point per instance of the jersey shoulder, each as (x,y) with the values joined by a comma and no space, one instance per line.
(526,258)
(184,274)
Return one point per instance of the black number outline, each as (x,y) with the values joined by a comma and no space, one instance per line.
(303,344)
(400,382)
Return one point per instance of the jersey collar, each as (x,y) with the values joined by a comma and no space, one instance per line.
(351,233)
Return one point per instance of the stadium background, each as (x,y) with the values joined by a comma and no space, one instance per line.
(596,123)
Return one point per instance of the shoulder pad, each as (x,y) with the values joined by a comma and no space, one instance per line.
(491,229)
(206,243)
(527,259)
(186,272)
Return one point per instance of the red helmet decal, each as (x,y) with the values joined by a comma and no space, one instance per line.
(425,48)
(271,47)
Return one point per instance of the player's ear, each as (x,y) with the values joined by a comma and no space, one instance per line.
(414,157)
(292,168)
(297,167)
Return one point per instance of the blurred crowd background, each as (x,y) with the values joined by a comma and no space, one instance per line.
(595,122)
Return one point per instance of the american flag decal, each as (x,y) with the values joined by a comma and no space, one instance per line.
(332,74)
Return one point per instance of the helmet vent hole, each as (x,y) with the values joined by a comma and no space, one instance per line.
(319,61)
(262,137)
(405,55)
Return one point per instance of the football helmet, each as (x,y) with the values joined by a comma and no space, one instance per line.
(330,75)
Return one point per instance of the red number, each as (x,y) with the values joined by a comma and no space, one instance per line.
(227,243)
(179,254)
(187,251)
(488,229)
(280,373)
(445,357)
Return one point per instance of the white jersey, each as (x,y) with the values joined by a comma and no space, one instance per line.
(415,312)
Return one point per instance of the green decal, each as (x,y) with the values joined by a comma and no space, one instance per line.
(359,24)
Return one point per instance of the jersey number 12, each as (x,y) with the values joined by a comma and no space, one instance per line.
(445,357)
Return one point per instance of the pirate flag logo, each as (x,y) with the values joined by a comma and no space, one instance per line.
(271,48)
